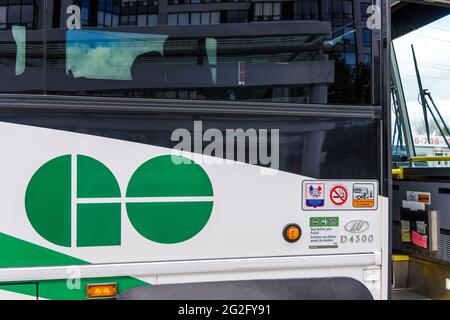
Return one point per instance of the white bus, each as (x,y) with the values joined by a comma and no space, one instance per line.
(153,144)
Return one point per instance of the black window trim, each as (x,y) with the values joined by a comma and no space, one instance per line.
(11,102)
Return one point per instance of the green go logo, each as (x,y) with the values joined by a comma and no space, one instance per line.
(75,200)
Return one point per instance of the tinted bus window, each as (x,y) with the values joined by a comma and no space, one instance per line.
(303,51)
(319,148)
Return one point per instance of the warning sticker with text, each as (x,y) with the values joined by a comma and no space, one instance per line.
(324,232)
(363,195)
(419,196)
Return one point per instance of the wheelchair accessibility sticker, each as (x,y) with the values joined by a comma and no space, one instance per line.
(363,195)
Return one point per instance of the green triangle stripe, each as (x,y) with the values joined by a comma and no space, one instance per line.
(20,253)
(29,289)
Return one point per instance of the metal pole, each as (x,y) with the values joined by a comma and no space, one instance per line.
(422,95)
(402,107)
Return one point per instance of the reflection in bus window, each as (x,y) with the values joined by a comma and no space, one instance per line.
(313,51)
(107,55)
(19,38)
(210,63)
(299,51)
(211,51)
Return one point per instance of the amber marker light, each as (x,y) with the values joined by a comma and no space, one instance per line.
(101,290)
(292,232)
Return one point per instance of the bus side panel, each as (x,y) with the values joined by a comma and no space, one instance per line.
(120,194)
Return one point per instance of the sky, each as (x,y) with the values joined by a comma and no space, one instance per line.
(432,46)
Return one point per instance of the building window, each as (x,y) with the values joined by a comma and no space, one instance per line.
(3,21)
(364,14)
(327,11)
(172,18)
(152,20)
(367,38)
(107,13)
(267,11)
(14,14)
(205,18)
(142,20)
(185,18)
(350,59)
(239,16)
(139,12)
(195,18)
(337,9)
(367,58)
(215,17)
(175,2)
(84,16)
(347,7)
(349,37)
(306,10)
(147,20)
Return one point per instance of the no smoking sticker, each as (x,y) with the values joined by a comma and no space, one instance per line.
(338,195)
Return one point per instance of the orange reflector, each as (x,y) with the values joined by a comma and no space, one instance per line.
(292,233)
(101,290)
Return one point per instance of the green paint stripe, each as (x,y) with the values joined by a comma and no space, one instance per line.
(21,253)
(29,289)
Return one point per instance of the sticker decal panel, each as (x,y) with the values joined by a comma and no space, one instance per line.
(419,196)
(340,195)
